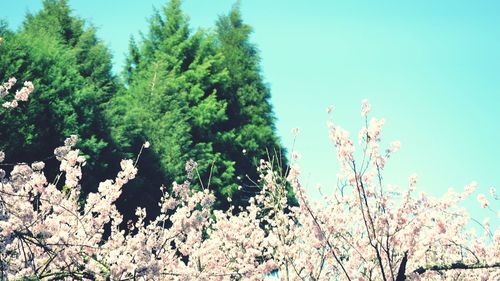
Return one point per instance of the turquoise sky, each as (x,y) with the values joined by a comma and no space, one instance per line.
(431,68)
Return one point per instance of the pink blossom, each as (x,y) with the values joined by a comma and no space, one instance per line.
(395,146)
(11,104)
(482,200)
(71,141)
(38,166)
(363,231)
(22,95)
(11,82)
(4,89)
(469,189)
(365,107)
(190,168)
(374,128)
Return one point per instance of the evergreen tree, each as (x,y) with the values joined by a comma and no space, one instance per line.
(71,71)
(250,123)
(171,101)
(196,96)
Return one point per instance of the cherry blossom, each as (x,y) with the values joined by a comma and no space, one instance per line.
(364,229)
(20,95)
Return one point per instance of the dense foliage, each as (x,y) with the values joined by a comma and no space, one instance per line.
(72,71)
(193,95)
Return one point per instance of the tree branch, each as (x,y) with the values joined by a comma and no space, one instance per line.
(457,265)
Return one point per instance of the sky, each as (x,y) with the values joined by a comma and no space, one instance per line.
(430,68)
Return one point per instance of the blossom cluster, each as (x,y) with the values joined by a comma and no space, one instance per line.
(20,95)
(364,230)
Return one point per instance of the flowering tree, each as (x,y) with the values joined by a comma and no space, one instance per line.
(21,95)
(364,231)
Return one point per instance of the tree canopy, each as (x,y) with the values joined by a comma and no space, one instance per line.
(71,69)
(194,95)
(197,95)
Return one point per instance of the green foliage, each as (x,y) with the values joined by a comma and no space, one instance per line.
(197,96)
(71,71)
(250,122)
(171,99)
(193,95)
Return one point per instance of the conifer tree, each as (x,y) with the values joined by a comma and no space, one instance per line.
(250,124)
(71,69)
(172,101)
(196,96)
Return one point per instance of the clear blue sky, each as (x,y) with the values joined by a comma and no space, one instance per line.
(431,68)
